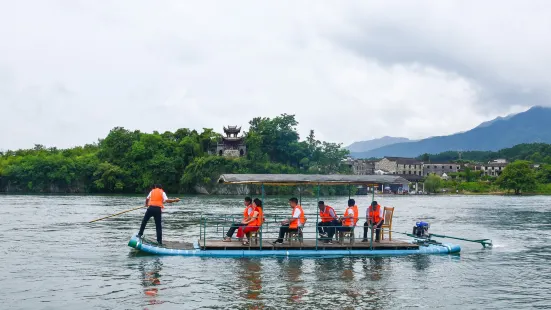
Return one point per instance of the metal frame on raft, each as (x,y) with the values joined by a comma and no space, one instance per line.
(298,180)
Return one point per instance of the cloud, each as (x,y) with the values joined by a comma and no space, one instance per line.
(72,70)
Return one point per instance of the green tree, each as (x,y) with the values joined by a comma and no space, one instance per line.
(425,158)
(544,173)
(518,176)
(433,183)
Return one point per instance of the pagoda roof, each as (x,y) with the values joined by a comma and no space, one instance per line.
(232,129)
(232,138)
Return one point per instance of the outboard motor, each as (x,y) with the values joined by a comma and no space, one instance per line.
(421,229)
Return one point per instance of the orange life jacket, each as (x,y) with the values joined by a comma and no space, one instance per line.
(349,221)
(156,198)
(246,214)
(325,215)
(375,216)
(295,222)
(259,219)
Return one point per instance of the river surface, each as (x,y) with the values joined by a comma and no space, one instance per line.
(52,258)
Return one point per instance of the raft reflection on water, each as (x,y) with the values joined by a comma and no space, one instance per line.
(150,271)
(363,277)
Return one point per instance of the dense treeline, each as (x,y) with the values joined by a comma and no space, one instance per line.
(130,161)
(528,172)
(535,152)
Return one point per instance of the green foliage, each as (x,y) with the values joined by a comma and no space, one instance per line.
(536,152)
(433,183)
(543,174)
(425,157)
(131,161)
(518,176)
(544,189)
(475,187)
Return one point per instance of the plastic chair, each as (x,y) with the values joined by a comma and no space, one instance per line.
(387,224)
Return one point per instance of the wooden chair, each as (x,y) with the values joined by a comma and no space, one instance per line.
(254,236)
(388,213)
(296,235)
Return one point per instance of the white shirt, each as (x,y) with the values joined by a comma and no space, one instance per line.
(296,213)
(165,198)
(250,210)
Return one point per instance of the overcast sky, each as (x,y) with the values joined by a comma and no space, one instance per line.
(71,70)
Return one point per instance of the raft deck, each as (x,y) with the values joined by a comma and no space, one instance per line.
(217,248)
(308,245)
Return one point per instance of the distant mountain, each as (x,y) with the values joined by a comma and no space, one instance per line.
(368,145)
(531,126)
(499,118)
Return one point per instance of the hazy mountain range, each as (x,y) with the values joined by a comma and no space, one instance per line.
(364,146)
(530,126)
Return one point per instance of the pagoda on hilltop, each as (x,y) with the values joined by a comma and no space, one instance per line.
(232,145)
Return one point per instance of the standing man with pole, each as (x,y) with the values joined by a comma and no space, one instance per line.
(155,203)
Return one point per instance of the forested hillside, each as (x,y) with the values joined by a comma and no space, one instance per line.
(535,152)
(131,161)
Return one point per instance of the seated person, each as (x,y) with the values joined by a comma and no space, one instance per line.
(350,217)
(253,223)
(246,214)
(375,219)
(297,220)
(329,220)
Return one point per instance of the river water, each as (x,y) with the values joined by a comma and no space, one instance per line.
(52,258)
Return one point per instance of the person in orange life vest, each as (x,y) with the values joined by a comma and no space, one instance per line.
(350,217)
(155,202)
(329,220)
(297,220)
(375,220)
(254,222)
(247,212)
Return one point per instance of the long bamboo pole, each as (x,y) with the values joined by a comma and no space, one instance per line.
(112,215)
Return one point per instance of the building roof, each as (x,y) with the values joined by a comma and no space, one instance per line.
(315,179)
(495,165)
(232,139)
(442,163)
(405,160)
(412,177)
(232,129)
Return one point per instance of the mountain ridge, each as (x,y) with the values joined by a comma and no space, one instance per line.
(531,126)
(367,145)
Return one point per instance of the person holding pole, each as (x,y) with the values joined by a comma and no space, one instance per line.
(155,202)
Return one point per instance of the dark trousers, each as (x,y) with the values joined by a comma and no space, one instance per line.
(282,230)
(345,228)
(328,228)
(377,230)
(233,227)
(154,212)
